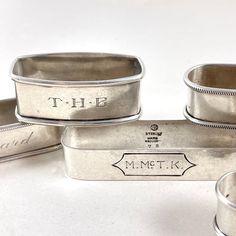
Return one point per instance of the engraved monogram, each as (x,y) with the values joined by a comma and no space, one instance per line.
(78,102)
(16,142)
(153,164)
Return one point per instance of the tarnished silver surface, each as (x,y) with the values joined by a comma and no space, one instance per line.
(149,150)
(225,221)
(19,140)
(212,95)
(77,88)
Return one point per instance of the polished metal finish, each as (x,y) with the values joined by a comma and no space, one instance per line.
(77,88)
(212,95)
(149,150)
(18,140)
(225,221)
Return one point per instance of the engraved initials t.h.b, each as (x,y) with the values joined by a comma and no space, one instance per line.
(78,102)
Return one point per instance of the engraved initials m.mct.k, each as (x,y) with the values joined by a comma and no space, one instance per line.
(154,164)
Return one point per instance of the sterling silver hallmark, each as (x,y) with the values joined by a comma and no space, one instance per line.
(149,150)
(18,140)
(76,89)
(212,95)
(224,223)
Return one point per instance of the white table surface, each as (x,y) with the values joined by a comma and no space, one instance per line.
(169,36)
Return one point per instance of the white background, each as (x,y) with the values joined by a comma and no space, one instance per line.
(169,36)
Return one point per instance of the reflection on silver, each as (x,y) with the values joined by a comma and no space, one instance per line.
(212,95)
(19,140)
(226,211)
(73,89)
(149,150)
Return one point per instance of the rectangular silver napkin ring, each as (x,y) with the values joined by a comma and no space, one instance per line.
(149,150)
(212,95)
(18,140)
(66,89)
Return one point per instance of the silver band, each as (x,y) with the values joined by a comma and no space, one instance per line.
(207,123)
(88,123)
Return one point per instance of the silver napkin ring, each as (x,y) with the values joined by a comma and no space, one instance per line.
(212,95)
(149,150)
(18,140)
(66,89)
(225,220)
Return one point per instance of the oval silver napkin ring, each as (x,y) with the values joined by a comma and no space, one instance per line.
(225,219)
(212,95)
(78,89)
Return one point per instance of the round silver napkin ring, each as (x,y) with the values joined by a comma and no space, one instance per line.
(77,89)
(226,208)
(212,95)
(217,230)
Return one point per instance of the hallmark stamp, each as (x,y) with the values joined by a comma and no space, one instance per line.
(153,136)
(154,164)
(154,127)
